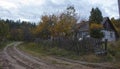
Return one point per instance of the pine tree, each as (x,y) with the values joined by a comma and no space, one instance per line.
(96,16)
(95,19)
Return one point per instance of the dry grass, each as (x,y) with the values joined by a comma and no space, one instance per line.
(112,56)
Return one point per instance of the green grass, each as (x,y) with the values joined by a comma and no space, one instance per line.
(42,51)
(0,66)
(114,51)
(3,44)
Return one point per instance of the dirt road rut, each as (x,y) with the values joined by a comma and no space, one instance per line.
(13,58)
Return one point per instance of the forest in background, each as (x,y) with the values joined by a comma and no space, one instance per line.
(62,25)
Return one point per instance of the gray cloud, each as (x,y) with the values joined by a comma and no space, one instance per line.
(31,10)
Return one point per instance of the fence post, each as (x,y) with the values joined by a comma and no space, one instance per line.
(106,44)
(106,40)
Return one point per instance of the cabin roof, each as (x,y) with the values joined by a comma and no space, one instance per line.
(83,26)
(107,20)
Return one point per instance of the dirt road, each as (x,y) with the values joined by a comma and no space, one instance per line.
(13,58)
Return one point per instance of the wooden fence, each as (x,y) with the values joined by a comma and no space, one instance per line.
(86,45)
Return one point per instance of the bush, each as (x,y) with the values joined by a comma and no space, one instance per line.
(57,51)
(114,50)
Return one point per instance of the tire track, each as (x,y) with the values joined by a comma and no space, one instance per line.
(22,61)
(11,60)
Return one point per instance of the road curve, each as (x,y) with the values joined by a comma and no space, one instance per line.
(21,61)
(16,59)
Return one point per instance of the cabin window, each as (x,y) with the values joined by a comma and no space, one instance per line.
(111,34)
(103,33)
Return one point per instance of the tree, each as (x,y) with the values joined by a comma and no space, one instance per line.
(42,30)
(3,30)
(26,31)
(95,20)
(96,30)
(96,16)
(116,23)
(66,22)
(57,25)
(71,10)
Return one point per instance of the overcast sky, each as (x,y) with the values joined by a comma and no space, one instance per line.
(31,10)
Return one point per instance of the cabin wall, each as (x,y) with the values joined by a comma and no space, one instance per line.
(110,35)
(82,34)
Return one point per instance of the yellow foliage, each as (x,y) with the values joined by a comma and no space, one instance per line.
(96,26)
(56,25)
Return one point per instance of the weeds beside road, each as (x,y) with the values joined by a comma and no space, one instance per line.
(41,51)
(31,55)
(17,59)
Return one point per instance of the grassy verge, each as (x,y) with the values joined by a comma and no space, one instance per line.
(42,51)
(3,44)
(114,51)
(0,66)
